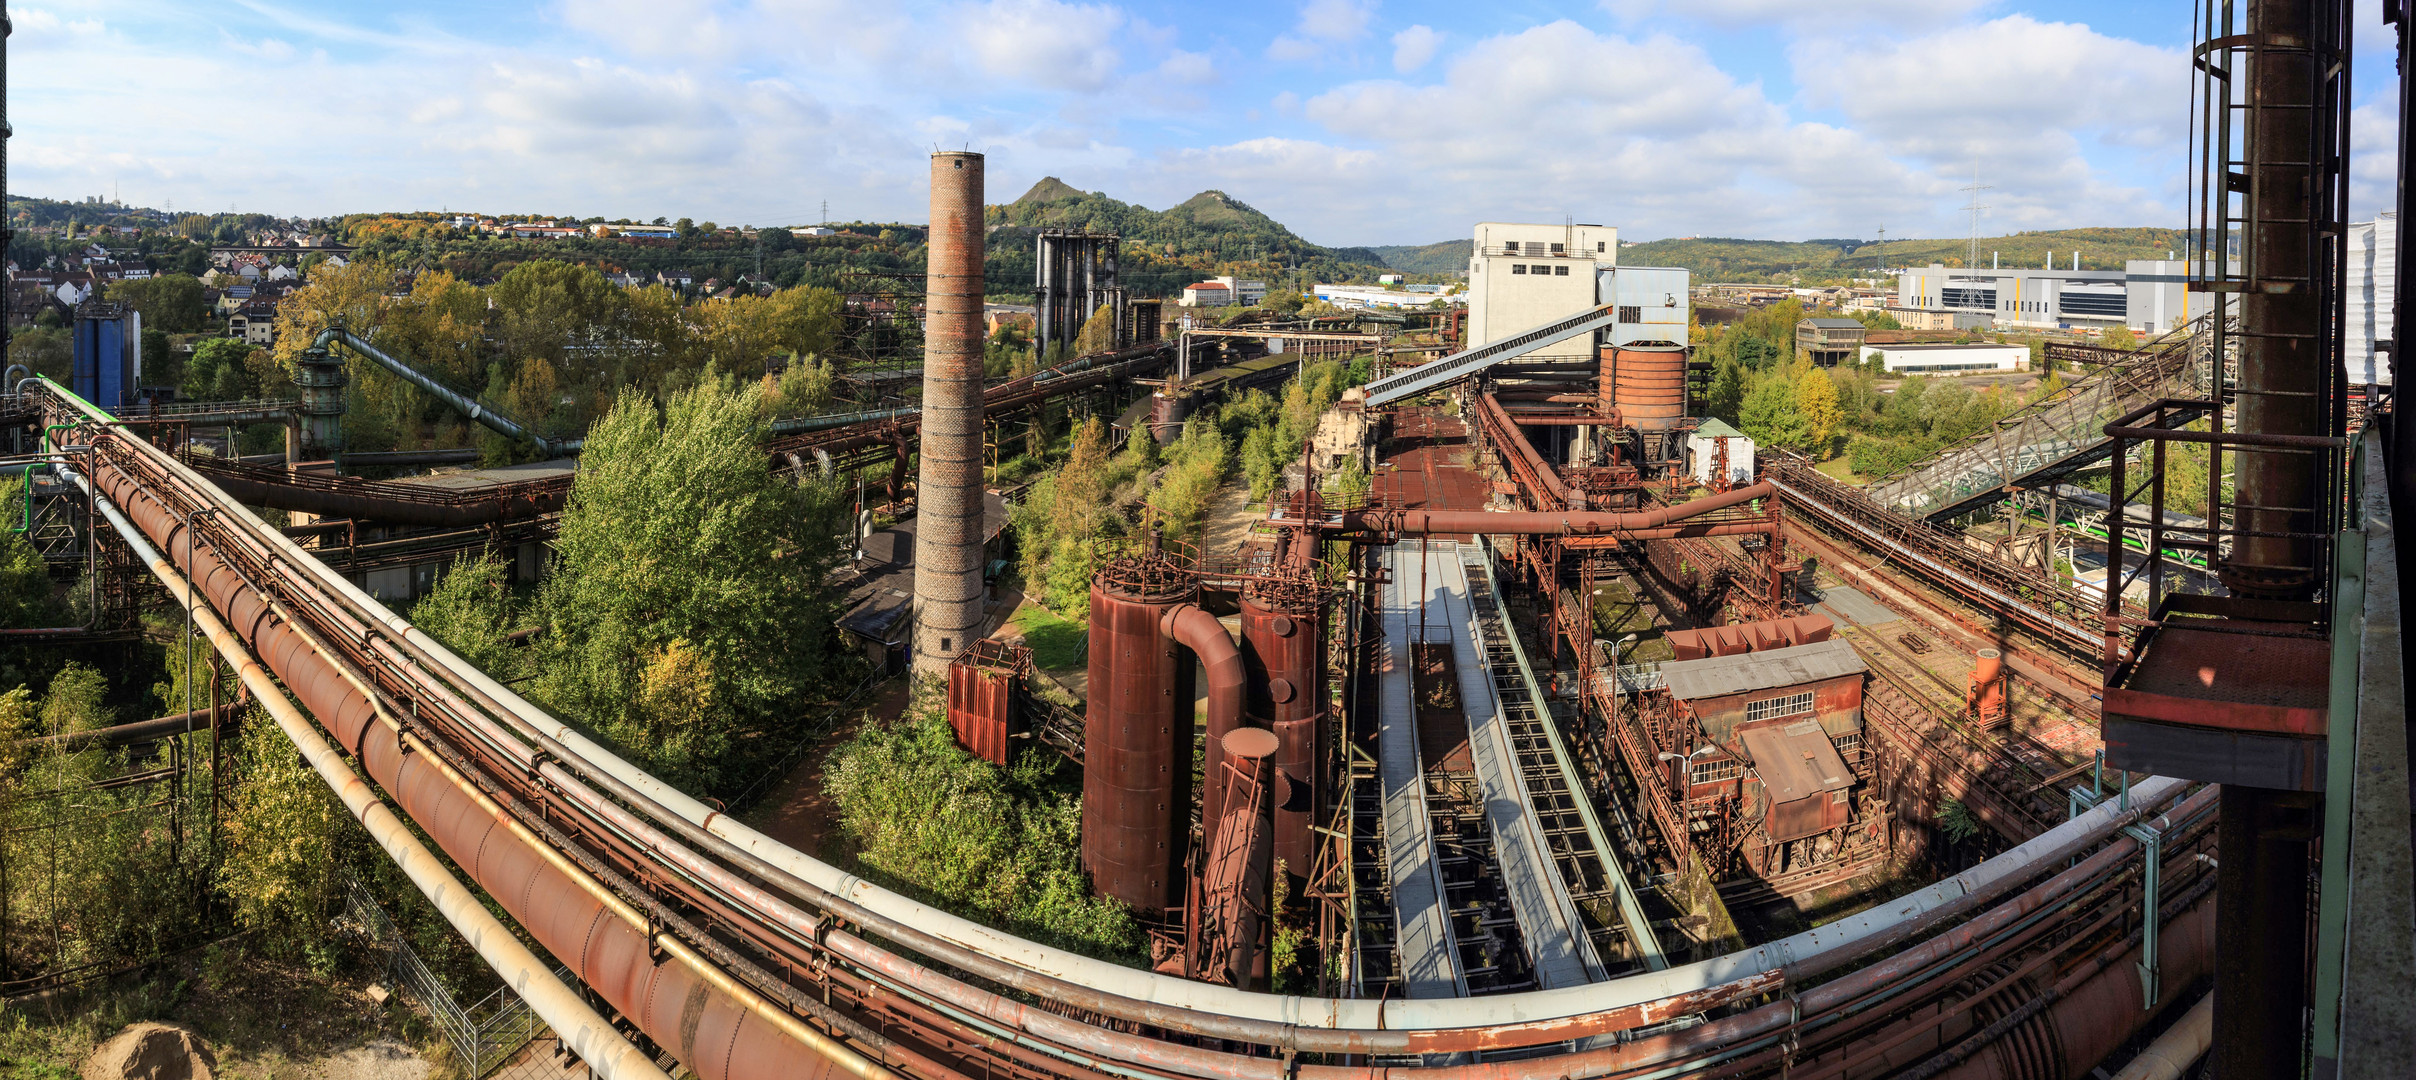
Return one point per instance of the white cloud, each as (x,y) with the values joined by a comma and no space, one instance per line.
(1336,20)
(1733,13)
(1413,47)
(1187,68)
(1046,43)
(685,28)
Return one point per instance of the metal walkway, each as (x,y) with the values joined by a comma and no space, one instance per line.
(1558,946)
(1467,362)
(1425,958)
(2052,438)
(1558,814)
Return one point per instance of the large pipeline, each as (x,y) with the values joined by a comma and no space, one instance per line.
(468,406)
(1155,1001)
(1634,524)
(388,501)
(578,1025)
(679,1004)
(1195,629)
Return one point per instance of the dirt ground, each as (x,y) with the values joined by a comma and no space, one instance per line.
(1230,516)
(799,811)
(263,1020)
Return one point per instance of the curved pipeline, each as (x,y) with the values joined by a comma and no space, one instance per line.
(1635,524)
(580,1028)
(1195,629)
(676,1004)
(463,403)
(1081,1048)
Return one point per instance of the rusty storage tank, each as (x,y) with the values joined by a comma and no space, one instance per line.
(1283,649)
(1648,384)
(1136,741)
(1167,412)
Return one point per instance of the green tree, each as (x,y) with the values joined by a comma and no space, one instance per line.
(168,302)
(1770,417)
(220,370)
(285,837)
(690,599)
(26,596)
(1727,393)
(472,610)
(2121,337)
(1098,334)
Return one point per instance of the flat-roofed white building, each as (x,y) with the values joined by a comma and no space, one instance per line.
(1368,296)
(1949,359)
(1521,276)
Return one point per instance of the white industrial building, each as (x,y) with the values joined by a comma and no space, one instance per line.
(1368,296)
(1949,359)
(1524,276)
(2149,296)
(1703,446)
(2372,297)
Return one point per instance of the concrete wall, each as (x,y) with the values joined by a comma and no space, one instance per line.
(1506,295)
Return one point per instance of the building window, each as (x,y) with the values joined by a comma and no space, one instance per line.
(1560,271)
(1556,249)
(1968,298)
(1518,268)
(1712,772)
(1601,246)
(1849,743)
(1630,313)
(1768,708)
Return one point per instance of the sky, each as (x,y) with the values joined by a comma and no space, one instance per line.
(1352,121)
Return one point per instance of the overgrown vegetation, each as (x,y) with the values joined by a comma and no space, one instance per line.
(999,845)
(689,609)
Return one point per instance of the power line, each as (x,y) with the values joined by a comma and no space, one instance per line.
(1977,208)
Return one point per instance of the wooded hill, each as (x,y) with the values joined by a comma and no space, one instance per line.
(1208,234)
(1727,259)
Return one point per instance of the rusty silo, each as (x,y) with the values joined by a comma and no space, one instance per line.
(1283,645)
(1648,384)
(948,493)
(1136,776)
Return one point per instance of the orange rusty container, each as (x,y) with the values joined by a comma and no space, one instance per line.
(985,685)
(1648,384)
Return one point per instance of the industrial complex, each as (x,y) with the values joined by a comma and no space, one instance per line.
(1573,736)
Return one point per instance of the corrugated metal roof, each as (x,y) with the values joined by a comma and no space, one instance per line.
(1715,676)
(1715,428)
(1796,761)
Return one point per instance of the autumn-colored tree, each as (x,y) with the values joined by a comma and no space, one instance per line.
(1816,399)
(1098,334)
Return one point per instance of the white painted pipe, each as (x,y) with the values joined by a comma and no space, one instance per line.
(2172,1054)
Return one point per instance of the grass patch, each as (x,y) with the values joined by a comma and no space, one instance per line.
(1056,643)
(1839,468)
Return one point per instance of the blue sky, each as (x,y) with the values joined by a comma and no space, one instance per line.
(1353,121)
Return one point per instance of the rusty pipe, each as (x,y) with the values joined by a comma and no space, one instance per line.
(1416,522)
(1194,628)
(677,1006)
(585,1032)
(2172,1054)
(1544,473)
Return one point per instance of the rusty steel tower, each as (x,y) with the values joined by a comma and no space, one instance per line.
(948,491)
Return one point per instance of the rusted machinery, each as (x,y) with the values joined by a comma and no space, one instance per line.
(1136,750)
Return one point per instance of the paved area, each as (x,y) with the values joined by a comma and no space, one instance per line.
(1853,606)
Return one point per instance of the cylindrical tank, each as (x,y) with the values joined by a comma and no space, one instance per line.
(1648,384)
(1167,411)
(948,492)
(1283,647)
(1136,740)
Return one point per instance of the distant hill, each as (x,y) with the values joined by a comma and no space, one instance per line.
(1447,257)
(1210,233)
(1722,258)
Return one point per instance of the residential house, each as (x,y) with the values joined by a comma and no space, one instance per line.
(1207,294)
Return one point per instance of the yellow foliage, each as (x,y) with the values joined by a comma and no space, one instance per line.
(354,293)
(676,686)
(1816,399)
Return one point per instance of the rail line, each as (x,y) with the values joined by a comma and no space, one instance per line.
(743,959)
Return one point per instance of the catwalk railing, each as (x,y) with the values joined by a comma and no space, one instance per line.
(2053,437)
(744,958)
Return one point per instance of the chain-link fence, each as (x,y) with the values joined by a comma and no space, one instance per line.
(483,1034)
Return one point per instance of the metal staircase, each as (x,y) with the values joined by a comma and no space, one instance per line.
(2054,437)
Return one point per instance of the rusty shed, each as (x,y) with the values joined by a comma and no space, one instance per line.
(1791,714)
